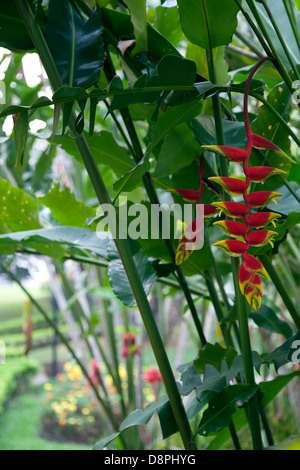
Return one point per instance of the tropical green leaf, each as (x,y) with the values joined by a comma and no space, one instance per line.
(281,355)
(65,208)
(266,318)
(64,238)
(105,149)
(178,150)
(76,45)
(214,354)
(208,23)
(171,71)
(19,210)
(223,405)
(269,390)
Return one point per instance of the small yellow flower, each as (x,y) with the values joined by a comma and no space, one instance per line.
(85,411)
(48,387)
(91,419)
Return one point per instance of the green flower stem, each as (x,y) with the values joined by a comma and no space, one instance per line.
(253,408)
(65,342)
(122,245)
(280,37)
(265,259)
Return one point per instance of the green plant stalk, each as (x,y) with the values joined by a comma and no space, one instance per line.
(152,194)
(255,29)
(252,405)
(280,37)
(52,324)
(218,307)
(289,8)
(281,68)
(248,43)
(109,320)
(122,245)
(265,259)
(129,366)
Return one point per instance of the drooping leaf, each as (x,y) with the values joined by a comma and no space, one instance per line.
(118,278)
(266,318)
(57,237)
(76,45)
(269,390)
(65,208)
(222,407)
(208,23)
(138,418)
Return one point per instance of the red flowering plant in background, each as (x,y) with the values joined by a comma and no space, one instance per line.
(250,230)
(129,346)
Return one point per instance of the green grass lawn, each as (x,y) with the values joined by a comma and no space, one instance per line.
(13,298)
(19,425)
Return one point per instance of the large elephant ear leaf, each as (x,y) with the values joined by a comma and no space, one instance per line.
(76,45)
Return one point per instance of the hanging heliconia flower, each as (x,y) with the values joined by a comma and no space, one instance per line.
(246,227)
(187,244)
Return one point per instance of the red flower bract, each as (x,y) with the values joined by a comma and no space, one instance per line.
(152,376)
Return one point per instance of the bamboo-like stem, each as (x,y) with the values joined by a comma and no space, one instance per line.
(289,8)
(281,39)
(249,43)
(112,342)
(279,64)
(265,259)
(121,244)
(255,29)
